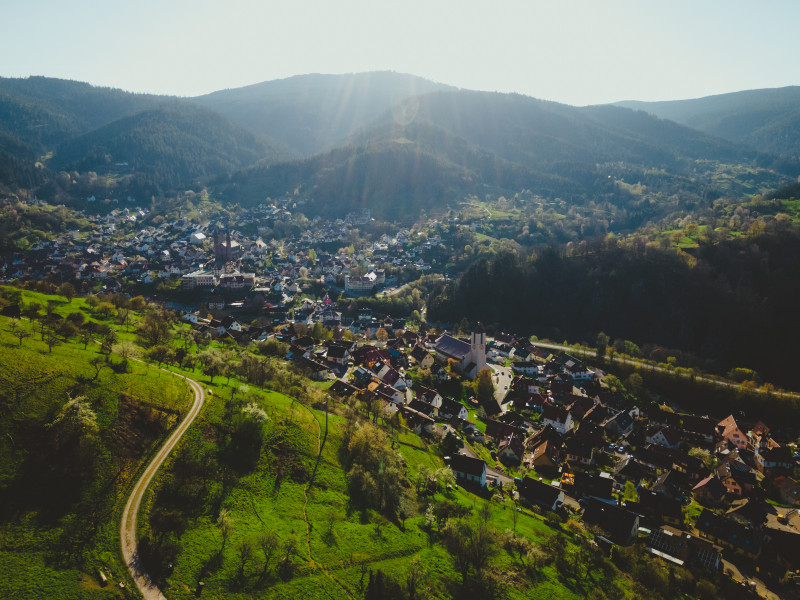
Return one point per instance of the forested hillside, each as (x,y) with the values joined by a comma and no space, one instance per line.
(728,302)
(315,113)
(166,147)
(767,120)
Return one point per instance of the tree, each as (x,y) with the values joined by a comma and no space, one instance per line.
(381,335)
(268,543)
(225,526)
(484,386)
(211,363)
(244,551)
(51,339)
(97,363)
(155,329)
(602,345)
(67,290)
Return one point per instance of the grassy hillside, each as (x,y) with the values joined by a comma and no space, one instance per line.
(61,495)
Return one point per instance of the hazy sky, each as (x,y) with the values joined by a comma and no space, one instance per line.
(578,52)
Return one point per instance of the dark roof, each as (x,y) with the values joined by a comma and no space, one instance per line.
(555,413)
(729,531)
(342,389)
(419,353)
(337,352)
(453,347)
(594,485)
(467,464)
(659,505)
(620,524)
(450,407)
(538,492)
(498,430)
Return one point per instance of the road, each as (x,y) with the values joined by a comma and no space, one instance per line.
(130,513)
(502,377)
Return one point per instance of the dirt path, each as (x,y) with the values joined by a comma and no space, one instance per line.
(130,513)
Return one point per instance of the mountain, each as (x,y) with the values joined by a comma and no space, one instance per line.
(436,148)
(767,119)
(169,146)
(316,113)
(44,111)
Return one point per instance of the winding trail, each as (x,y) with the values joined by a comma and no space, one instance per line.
(127,531)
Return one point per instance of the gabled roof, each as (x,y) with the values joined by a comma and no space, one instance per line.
(620,524)
(468,465)
(538,492)
(452,347)
(555,413)
(713,486)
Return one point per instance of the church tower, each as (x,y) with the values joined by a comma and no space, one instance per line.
(477,351)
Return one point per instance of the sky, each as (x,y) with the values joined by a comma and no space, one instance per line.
(573,51)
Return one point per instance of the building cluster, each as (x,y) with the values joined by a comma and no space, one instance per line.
(120,250)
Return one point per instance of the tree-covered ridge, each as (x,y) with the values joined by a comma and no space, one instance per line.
(316,113)
(721,302)
(170,146)
(766,120)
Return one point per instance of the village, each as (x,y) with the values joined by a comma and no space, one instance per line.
(717,493)
(127,247)
(701,492)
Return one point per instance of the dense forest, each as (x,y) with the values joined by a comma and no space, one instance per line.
(731,302)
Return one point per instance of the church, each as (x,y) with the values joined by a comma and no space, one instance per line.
(471,357)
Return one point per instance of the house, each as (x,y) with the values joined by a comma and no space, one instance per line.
(619,425)
(342,389)
(660,508)
(511,449)
(558,418)
(576,369)
(546,457)
(737,483)
(671,483)
(681,548)
(423,407)
(730,533)
(629,469)
(709,491)
(698,430)
(580,450)
(422,357)
(314,369)
(663,436)
(430,396)
(338,354)
(729,430)
(773,458)
(533,492)
(468,470)
(525,368)
(417,421)
(599,487)
(620,524)
(451,409)
(788,490)
(497,430)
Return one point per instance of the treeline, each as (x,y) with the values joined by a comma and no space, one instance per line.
(731,302)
